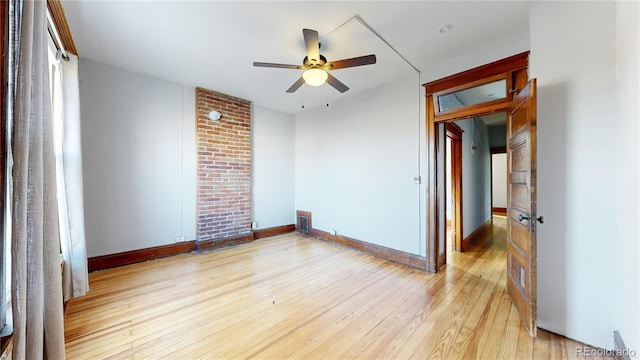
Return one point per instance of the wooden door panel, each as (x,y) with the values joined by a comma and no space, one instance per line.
(521,203)
(518,270)
(518,122)
(519,196)
(520,159)
(520,236)
(518,177)
(518,289)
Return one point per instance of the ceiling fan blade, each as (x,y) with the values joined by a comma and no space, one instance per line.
(281,66)
(337,84)
(312,43)
(296,85)
(356,61)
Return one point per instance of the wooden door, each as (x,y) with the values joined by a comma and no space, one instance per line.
(521,204)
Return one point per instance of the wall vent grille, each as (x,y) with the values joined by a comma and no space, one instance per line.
(303,223)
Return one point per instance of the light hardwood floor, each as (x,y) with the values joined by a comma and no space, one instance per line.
(294,297)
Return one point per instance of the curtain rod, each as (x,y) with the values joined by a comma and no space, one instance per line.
(53,33)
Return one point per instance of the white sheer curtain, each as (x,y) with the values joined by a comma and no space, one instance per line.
(66,119)
(36,291)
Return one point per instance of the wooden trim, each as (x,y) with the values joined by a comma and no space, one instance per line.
(502,211)
(224,242)
(306,214)
(498,150)
(61,24)
(468,112)
(453,130)
(272,231)
(477,235)
(383,252)
(510,64)
(432,209)
(131,257)
(135,256)
(397,256)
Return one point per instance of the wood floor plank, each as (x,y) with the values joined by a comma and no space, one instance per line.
(512,328)
(360,325)
(291,296)
(288,312)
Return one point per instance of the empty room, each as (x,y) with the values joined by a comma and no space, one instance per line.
(317,179)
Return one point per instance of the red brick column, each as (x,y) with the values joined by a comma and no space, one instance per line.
(224,166)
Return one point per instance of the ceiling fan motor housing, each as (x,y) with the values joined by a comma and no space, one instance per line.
(313,63)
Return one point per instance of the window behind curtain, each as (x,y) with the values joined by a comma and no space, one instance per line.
(5,168)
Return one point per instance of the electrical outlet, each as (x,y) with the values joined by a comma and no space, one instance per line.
(181,239)
(254,225)
(334,232)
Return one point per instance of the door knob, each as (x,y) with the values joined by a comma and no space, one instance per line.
(523,217)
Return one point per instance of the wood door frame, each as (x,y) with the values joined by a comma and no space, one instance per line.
(454,132)
(514,70)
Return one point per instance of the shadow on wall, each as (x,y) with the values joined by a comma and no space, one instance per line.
(552,202)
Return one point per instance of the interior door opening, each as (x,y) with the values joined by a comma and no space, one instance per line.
(467,147)
(502,85)
(499,181)
(453,193)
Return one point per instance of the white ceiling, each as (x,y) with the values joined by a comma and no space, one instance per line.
(213,44)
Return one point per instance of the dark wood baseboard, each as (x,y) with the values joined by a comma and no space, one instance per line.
(273,231)
(135,256)
(499,211)
(224,242)
(383,252)
(475,236)
(498,150)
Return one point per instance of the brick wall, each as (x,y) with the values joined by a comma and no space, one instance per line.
(224,166)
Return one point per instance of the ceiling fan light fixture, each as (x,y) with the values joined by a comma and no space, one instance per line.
(315,77)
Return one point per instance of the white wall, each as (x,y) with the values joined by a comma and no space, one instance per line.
(476,175)
(272,151)
(138,142)
(354,166)
(499,180)
(628,154)
(573,58)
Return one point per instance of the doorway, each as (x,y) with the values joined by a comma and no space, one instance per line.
(499,181)
(453,194)
(496,87)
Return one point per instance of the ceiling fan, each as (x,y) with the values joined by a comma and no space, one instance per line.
(316,66)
